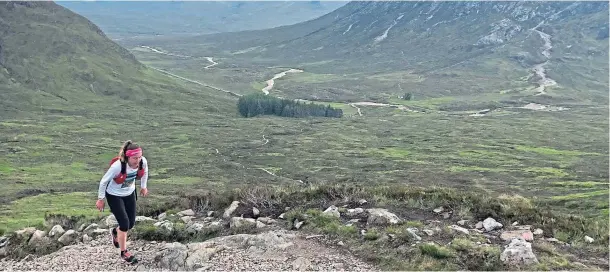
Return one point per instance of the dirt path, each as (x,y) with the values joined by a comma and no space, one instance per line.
(196,82)
(229,253)
(539,69)
(210,59)
(271,81)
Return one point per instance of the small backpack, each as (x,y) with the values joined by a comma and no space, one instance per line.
(123,175)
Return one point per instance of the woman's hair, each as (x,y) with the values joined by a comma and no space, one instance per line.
(128,145)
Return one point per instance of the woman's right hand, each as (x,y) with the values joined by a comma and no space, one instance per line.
(99,204)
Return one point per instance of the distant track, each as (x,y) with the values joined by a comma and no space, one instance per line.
(196,82)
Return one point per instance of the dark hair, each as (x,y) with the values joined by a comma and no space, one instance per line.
(128,145)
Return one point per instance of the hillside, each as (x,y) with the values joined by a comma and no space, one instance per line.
(124,20)
(56,62)
(65,88)
(467,48)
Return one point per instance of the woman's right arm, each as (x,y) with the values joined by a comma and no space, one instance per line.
(114,169)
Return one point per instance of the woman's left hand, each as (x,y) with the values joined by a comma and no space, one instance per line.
(143,191)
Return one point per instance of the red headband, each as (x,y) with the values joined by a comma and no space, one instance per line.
(134,152)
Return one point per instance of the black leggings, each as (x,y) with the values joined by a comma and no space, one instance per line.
(124,210)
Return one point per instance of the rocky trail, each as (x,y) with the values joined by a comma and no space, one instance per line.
(247,240)
(272,250)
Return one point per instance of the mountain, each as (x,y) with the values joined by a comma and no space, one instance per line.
(127,19)
(514,44)
(55,61)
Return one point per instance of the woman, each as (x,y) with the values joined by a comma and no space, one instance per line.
(118,187)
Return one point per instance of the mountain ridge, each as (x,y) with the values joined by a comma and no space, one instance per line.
(427,38)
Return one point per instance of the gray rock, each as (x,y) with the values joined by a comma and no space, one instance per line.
(460,229)
(332,211)
(589,239)
(162,216)
(240,222)
(111,221)
(230,210)
(491,224)
(68,237)
(82,227)
(255,211)
(91,228)
(199,254)
(3,241)
(172,256)
(354,212)
(188,212)
(97,232)
(37,238)
(260,225)
(86,238)
(518,253)
(165,224)
(297,224)
(25,233)
(429,232)
(479,225)
(382,217)
(56,231)
(413,233)
(265,220)
(144,218)
(187,219)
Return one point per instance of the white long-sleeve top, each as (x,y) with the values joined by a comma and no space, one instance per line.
(107,184)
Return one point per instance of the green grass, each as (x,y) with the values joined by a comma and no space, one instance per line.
(583,184)
(552,151)
(581,195)
(30,211)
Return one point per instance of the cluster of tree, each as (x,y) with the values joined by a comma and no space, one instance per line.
(261,104)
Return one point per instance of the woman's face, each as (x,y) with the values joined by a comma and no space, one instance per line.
(134,160)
